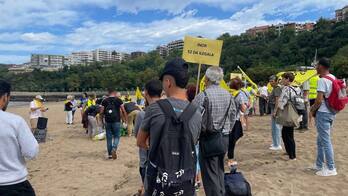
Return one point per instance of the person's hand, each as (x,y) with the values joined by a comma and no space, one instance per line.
(274,114)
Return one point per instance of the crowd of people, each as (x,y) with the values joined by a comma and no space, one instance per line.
(183,137)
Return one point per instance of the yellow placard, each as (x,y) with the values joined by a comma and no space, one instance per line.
(202,51)
(236,75)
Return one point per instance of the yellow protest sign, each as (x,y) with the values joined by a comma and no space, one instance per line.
(236,75)
(202,51)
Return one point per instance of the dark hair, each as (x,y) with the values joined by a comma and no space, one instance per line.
(5,88)
(325,62)
(191,92)
(85,94)
(154,88)
(236,83)
(111,90)
(289,75)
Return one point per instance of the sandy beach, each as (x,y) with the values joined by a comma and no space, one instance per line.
(70,164)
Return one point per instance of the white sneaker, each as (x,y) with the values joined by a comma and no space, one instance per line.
(314,167)
(276,148)
(326,172)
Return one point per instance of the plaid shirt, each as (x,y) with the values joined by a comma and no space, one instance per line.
(219,99)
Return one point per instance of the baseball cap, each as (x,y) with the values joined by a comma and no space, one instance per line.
(39,97)
(178,68)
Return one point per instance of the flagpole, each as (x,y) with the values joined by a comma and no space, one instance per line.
(198,77)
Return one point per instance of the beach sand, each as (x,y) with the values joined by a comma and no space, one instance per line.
(71,164)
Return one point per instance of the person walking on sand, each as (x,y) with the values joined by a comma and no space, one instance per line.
(153,91)
(17,143)
(111,110)
(37,110)
(172,127)
(219,116)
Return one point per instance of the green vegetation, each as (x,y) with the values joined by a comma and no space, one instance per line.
(259,56)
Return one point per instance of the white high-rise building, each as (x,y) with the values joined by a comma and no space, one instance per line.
(100,55)
(47,60)
(82,57)
(176,45)
(162,51)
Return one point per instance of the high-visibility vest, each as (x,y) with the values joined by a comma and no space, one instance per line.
(269,88)
(313,84)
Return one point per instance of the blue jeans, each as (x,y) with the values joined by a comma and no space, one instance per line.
(112,136)
(276,131)
(324,122)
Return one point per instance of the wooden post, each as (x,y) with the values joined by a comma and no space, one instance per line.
(198,77)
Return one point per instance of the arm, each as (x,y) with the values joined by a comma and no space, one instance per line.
(318,101)
(276,106)
(142,139)
(27,142)
(124,115)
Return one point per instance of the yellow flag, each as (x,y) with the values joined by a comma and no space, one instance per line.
(248,79)
(138,94)
(300,76)
(222,85)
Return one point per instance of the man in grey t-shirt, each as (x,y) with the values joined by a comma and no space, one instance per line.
(174,78)
(153,91)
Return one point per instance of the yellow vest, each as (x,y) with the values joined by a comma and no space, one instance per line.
(313,84)
(269,88)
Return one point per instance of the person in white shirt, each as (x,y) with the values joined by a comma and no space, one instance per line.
(17,143)
(263,95)
(36,110)
(324,119)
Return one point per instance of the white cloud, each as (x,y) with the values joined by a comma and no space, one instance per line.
(44,37)
(82,33)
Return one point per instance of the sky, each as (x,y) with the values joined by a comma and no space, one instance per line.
(63,26)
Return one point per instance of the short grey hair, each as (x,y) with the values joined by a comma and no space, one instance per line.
(214,74)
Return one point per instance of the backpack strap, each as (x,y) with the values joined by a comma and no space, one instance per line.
(167,108)
(188,113)
(329,78)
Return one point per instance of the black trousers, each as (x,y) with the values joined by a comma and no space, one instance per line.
(21,189)
(237,132)
(289,141)
(212,170)
(262,106)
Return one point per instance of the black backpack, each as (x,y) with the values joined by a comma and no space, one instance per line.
(175,156)
(110,111)
(236,184)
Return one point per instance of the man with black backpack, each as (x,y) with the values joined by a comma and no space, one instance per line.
(172,126)
(219,117)
(112,116)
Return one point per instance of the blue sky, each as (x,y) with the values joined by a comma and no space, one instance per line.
(60,27)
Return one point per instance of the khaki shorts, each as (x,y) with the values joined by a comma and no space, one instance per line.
(33,123)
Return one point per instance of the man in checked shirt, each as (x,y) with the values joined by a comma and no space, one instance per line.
(223,113)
